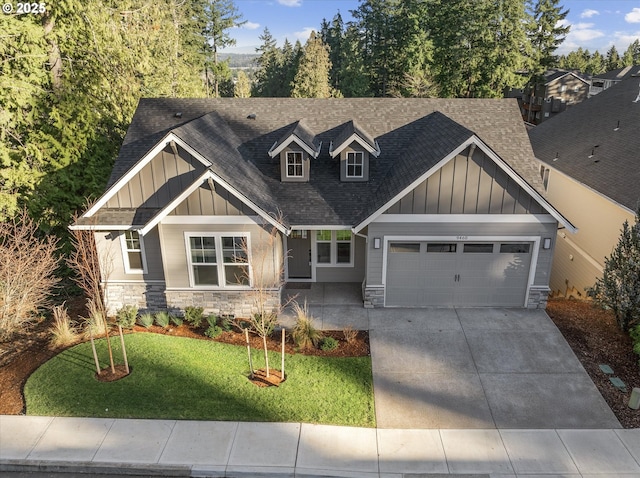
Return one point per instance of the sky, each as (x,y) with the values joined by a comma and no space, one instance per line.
(595,24)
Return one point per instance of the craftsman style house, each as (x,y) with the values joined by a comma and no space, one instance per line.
(590,167)
(425,202)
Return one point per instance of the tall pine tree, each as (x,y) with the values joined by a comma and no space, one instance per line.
(312,78)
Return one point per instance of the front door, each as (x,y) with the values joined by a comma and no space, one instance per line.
(299,262)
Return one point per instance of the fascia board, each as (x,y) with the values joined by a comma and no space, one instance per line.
(137,167)
(356,137)
(414,184)
(292,139)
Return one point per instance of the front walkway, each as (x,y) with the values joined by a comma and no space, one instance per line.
(191,448)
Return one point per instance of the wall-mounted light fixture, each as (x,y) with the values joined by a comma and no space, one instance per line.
(376,243)
(547,243)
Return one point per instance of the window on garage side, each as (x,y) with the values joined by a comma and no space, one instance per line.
(515,248)
(334,247)
(397,247)
(441,247)
(478,248)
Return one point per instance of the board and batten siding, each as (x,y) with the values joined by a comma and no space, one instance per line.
(205,201)
(468,184)
(159,181)
(175,261)
(109,246)
(450,229)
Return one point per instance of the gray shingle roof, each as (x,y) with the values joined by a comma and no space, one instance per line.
(348,129)
(614,170)
(410,136)
(301,131)
(620,73)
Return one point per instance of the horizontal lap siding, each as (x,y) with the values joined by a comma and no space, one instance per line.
(346,274)
(175,250)
(111,254)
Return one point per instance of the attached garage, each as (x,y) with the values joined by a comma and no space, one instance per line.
(441,272)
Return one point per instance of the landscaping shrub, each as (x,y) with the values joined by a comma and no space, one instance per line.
(126,316)
(213,331)
(304,334)
(63,331)
(194,316)
(95,324)
(212,319)
(349,334)
(177,321)
(329,344)
(146,320)
(225,322)
(162,319)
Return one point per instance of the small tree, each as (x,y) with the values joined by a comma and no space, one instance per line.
(28,265)
(266,273)
(91,269)
(619,287)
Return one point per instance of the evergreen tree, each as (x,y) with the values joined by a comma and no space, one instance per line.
(242,88)
(546,33)
(333,35)
(268,76)
(312,78)
(575,60)
(613,60)
(353,76)
(631,55)
(619,287)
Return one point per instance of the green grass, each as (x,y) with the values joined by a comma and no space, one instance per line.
(181,378)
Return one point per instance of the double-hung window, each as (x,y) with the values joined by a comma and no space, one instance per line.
(355,164)
(334,247)
(218,260)
(133,253)
(294,164)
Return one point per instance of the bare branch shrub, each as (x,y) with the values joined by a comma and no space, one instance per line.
(349,334)
(28,265)
(305,335)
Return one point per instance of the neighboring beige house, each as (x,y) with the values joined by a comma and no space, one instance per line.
(590,166)
(559,90)
(424,202)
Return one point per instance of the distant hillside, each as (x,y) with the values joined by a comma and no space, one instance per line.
(239,60)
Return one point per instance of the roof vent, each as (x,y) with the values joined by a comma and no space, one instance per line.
(178,114)
(252,116)
(617,126)
(556,158)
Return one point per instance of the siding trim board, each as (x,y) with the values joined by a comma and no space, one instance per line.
(462,239)
(467,218)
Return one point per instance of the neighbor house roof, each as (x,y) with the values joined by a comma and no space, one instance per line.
(619,74)
(411,136)
(553,75)
(597,142)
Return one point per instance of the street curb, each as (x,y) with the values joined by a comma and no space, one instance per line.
(50,466)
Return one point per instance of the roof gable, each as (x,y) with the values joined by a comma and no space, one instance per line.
(234,136)
(300,134)
(350,132)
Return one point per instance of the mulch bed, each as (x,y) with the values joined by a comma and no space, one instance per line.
(592,334)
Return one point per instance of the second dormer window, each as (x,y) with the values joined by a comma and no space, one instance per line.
(294,164)
(355,164)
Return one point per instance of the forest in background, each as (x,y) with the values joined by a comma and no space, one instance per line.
(71,77)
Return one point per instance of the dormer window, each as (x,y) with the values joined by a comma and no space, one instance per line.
(294,164)
(355,164)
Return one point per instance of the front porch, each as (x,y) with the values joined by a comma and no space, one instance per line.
(333,305)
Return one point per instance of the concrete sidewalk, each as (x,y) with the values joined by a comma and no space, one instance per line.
(193,448)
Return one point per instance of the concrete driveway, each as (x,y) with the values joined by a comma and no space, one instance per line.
(479,368)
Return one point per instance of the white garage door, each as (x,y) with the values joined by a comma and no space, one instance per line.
(432,273)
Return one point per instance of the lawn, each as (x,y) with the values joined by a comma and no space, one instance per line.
(183,378)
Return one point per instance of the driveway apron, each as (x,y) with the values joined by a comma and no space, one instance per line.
(479,368)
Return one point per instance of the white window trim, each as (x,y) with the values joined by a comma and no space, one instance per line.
(356,154)
(125,254)
(219,259)
(286,165)
(333,251)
